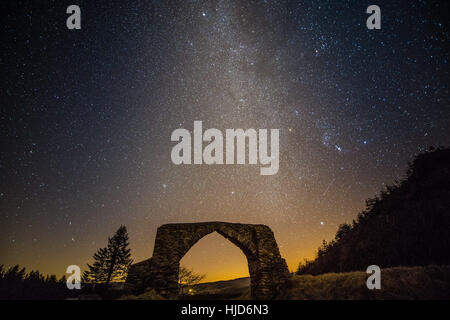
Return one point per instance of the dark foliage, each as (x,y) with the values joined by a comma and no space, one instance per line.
(407,224)
(111,263)
(16,284)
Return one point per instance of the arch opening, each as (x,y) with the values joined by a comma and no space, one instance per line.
(217,257)
(224,265)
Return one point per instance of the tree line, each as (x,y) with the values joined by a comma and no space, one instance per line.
(110,265)
(407,224)
(16,283)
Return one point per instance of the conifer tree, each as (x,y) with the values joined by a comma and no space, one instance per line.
(111,263)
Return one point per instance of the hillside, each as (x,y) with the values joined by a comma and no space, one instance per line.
(400,283)
(407,224)
(227,289)
(430,282)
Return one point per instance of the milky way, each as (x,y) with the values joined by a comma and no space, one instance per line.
(87,117)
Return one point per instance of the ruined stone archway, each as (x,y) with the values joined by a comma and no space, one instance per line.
(268,270)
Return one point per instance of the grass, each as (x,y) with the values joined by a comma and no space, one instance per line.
(148,295)
(430,282)
(423,283)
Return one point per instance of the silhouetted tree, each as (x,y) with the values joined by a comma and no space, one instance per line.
(111,263)
(188,279)
(97,272)
(16,284)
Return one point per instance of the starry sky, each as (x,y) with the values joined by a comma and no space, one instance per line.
(87,117)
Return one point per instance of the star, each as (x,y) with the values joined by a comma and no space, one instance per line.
(81,136)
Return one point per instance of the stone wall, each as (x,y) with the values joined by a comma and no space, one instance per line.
(268,270)
(138,278)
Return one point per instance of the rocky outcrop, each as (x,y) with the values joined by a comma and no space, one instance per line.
(268,270)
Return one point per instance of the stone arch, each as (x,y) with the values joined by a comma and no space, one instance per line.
(217,258)
(268,270)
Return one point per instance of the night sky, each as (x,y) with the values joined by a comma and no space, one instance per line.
(87,115)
